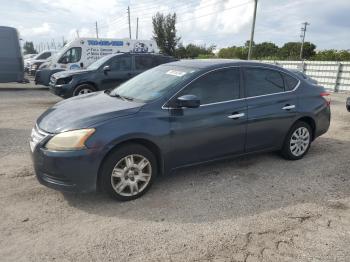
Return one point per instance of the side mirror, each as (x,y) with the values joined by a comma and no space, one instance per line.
(188,101)
(106,69)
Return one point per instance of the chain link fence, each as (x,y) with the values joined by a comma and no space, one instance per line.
(330,74)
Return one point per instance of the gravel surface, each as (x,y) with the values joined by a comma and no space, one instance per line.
(256,208)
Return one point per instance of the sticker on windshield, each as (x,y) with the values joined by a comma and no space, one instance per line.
(175,73)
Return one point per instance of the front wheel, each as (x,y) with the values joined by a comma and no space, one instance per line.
(298,141)
(128,172)
(83,89)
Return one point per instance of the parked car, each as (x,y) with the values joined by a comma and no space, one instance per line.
(31,65)
(348,104)
(82,52)
(105,73)
(11,60)
(28,56)
(172,116)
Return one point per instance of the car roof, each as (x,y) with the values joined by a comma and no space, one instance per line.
(207,64)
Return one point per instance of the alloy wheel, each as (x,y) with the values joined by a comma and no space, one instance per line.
(299,141)
(131,175)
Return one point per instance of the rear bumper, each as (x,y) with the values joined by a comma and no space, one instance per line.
(323,121)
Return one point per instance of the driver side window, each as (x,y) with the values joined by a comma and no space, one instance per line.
(72,55)
(217,86)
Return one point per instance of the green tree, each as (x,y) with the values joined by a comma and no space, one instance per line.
(239,52)
(265,50)
(332,55)
(28,48)
(194,51)
(164,33)
(291,50)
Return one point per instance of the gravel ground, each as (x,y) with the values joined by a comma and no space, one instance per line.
(256,208)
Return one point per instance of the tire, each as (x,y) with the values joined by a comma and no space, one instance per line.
(121,175)
(297,142)
(83,89)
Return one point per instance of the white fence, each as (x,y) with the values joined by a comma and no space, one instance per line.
(330,74)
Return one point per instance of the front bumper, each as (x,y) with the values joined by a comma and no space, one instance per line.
(69,171)
(63,91)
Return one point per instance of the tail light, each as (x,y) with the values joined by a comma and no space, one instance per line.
(326,96)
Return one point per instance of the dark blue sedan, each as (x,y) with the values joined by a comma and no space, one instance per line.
(175,115)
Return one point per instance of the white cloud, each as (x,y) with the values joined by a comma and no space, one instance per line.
(220,22)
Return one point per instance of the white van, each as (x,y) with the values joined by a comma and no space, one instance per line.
(82,52)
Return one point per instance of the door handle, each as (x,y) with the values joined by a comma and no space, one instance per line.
(288,107)
(236,115)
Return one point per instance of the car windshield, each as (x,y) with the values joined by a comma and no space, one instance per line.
(153,83)
(95,65)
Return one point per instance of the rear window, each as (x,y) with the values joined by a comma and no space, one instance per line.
(290,82)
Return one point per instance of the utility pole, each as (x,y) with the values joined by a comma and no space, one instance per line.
(129,22)
(62,41)
(137,28)
(252,31)
(96,29)
(77,33)
(302,36)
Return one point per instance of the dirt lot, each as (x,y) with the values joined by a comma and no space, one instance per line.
(257,208)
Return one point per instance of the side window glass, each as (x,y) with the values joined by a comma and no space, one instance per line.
(44,56)
(72,55)
(217,86)
(290,82)
(144,62)
(262,81)
(122,63)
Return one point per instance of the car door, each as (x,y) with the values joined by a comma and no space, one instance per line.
(272,108)
(120,71)
(215,129)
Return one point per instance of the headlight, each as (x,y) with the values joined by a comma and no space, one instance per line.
(70,140)
(33,67)
(63,81)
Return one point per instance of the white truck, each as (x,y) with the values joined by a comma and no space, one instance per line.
(82,52)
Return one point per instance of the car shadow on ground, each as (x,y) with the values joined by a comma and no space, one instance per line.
(235,188)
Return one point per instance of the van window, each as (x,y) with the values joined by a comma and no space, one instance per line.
(262,81)
(217,86)
(144,62)
(120,63)
(72,55)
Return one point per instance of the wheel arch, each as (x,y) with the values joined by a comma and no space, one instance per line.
(311,122)
(141,141)
(83,82)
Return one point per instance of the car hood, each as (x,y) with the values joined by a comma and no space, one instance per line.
(84,111)
(67,73)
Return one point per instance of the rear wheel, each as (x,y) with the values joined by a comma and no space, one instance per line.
(128,172)
(298,141)
(83,89)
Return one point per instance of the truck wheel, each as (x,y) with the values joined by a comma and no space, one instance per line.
(83,89)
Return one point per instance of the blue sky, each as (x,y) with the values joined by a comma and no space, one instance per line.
(220,22)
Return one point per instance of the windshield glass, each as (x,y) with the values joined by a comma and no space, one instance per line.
(153,83)
(98,63)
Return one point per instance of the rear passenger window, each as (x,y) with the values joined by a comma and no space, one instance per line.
(262,82)
(217,86)
(290,82)
(122,63)
(144,62)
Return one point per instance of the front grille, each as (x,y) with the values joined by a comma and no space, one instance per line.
(36,137)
